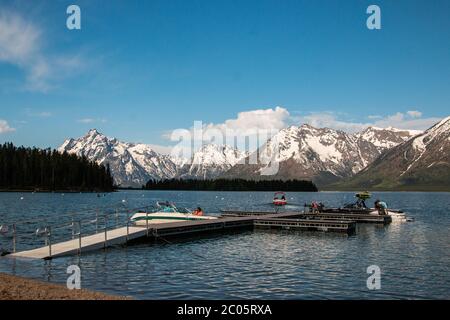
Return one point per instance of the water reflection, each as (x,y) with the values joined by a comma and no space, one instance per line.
(413,257)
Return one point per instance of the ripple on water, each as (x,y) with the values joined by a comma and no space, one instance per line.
(413,257)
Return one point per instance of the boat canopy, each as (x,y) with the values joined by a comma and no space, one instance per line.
(363,195)
(278,193)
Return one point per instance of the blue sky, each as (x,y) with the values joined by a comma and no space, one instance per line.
(138,69)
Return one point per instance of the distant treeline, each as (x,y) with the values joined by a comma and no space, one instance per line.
(231,185)
(48,170)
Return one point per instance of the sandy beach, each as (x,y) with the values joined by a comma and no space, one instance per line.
(18,288)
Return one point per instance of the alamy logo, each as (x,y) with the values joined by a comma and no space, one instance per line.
(248,140)
(74,280)
(374,280)
(73,21)
(374,20)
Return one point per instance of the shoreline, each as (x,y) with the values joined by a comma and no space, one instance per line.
(20,288)
(52,191)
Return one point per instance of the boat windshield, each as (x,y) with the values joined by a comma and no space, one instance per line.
(184,210)
(168,209)
(279,196)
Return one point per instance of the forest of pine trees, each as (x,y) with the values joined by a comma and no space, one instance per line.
(48,170)
(231,185)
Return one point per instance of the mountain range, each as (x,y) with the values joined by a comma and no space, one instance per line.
(320,154)
(133,165)
(420,163)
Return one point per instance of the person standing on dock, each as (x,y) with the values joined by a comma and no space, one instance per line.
(315,207)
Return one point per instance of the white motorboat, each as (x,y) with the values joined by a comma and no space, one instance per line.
(359,207)
(396,215)
(167,212)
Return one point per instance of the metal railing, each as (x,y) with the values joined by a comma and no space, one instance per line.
(101,223)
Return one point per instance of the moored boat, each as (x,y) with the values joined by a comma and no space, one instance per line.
(279,198)
(359,207)
(167,212)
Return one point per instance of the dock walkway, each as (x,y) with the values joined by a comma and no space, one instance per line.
(124,234)
(360,218)
(229,220)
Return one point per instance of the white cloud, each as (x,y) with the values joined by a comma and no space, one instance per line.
(86,120)
(406,121)
(4,127)
(330,120)
(250,122)
(414,114)
(91,120)
(262,121)
(411,120)
(21,45)
(19,39)
(161,149)
(248,130)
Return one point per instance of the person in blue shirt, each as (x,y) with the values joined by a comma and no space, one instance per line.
(381,206)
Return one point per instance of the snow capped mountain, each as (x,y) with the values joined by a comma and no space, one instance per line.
(430,148)
(131,164)
(385,138)
(135,164)
(422,162)
(319,149)
(210,161)
(306,152)
(321,154)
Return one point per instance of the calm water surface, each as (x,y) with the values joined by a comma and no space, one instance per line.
(414,257)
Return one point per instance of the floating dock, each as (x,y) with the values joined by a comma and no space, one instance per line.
(124,234)
(348,227)
(360,218)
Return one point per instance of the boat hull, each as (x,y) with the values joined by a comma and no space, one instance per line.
(141,218)
(279,202)
(396,215)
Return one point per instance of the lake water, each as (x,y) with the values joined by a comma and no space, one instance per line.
(414,257)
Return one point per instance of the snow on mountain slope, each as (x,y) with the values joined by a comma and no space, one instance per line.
(430,147)
(420,163)
(302,152)
(131,164)
(321,154)
(210,161)
(318,149)
(385,138)
(134,164)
